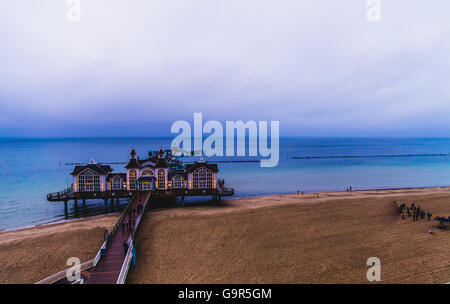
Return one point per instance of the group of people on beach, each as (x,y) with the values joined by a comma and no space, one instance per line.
(415,211)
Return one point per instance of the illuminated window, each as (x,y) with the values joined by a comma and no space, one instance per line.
(202,179)
(116,184)
(81,183)
(88,182)
(132,180)
(161,179)
(147,173)
(177,182)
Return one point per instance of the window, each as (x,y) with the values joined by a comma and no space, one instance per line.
(146,185)
(161,179)
(132,180)
(147,173)
(88,182)
(81,183)
(117,184)
(202,179)
(177,182)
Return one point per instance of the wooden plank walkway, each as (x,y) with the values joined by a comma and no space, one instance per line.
(108,268)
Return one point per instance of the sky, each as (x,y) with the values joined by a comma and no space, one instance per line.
(132,68)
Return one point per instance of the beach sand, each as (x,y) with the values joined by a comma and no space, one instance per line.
(31,254)
(271,239)
(296,239)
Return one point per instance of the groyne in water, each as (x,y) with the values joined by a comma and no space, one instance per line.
(369,156)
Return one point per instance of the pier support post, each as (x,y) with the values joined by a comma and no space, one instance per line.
(182,201)
(106,203)
(84,202)
(112,203)
(66,209)
(76,203)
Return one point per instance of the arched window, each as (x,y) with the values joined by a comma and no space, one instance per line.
(177,182)
(117,184)
(202,179)
(132,180)
(88,182)
(147,173)
(161,179)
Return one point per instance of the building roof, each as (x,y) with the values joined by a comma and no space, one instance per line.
(161,163)
(97,168)
(175,173)
(133,164)
(122,176)
(197,165)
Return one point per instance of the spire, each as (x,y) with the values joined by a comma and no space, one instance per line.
(161,153)
(133,154)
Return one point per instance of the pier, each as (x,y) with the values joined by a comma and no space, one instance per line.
(110,197)
(160,176)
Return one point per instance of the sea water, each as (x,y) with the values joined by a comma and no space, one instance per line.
(31,168)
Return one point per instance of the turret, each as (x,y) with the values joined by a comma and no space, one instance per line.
(133,154)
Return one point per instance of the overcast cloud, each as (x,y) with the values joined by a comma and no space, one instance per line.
(134,67)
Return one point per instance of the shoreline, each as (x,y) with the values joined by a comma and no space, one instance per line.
(232,198)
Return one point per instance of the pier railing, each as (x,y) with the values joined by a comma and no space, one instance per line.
(129,256)
(121,218)
(61,194)
(126,263)
(63,273)
(224,191)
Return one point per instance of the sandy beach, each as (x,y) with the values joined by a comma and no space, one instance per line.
(310,238)
(31,254)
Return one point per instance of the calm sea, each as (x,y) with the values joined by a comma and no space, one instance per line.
(31,168)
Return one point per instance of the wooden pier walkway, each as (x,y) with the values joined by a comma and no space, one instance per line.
(113,266)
